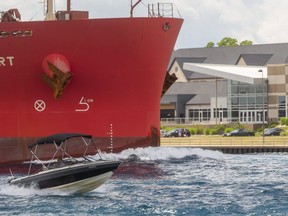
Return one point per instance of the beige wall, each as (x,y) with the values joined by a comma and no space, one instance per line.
(277,86)
(167,106)
(176,69)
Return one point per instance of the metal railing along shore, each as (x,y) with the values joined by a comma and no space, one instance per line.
(202,121)
(219,141)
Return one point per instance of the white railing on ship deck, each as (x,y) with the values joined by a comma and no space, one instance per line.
(160,10)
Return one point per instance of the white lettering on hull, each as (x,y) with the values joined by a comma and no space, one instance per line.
(6,61)
(84,103)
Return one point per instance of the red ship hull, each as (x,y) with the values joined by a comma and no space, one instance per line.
(118,68)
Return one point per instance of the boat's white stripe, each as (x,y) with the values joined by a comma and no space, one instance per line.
(84,185)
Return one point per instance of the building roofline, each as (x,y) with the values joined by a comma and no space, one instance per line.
(246,74)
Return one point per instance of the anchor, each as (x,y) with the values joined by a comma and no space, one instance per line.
(55,77)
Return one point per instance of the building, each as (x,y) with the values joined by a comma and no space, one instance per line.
(227,85)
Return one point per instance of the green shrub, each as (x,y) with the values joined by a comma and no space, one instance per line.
(284,121)
(228,130)
(193,131)
(220,128)
(165,128)
(213,132)
(200,130)
(259,130)
(197,130)
(206,131)
(272,124)
(239,126)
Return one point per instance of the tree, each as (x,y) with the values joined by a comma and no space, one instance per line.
(227,41)
(246,43)
(210,44)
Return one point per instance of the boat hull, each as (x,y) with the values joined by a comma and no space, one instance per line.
(79,178)
(85,185)
(118,68)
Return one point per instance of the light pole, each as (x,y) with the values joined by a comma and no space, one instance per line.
(263,114)
(216,100)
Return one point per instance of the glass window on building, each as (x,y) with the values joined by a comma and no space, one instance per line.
(259,101)
(251,100)
(259,89)
(225,113)
(234,90)
(167,113)
(200,114)
(251,89)
(281,106)
(194,114)
(244,100)
(233,82)
(235,115)
(243,89)
(221,112)
(234,101)
(206,114)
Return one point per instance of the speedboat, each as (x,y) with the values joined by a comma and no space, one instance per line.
(64,172)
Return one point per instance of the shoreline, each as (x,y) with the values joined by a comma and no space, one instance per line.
(230,145)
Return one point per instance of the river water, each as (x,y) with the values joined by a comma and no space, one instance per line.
(171,181)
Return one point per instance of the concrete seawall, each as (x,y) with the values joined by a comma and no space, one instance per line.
(230,145)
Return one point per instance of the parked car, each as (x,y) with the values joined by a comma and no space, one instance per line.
(178,133)
(240,132)
(272,132)
(163,132)
(172,133)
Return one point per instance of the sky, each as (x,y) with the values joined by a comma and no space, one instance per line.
(261,21)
